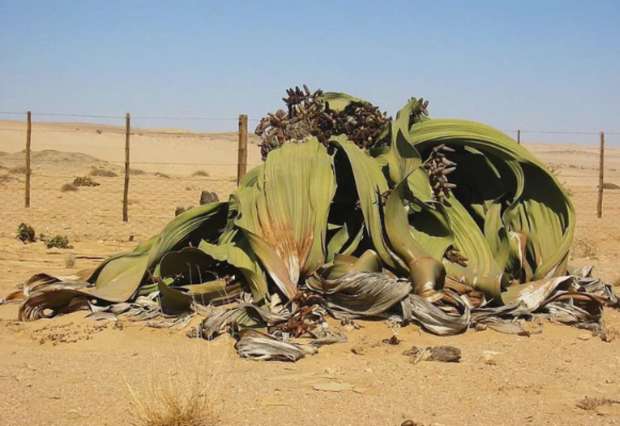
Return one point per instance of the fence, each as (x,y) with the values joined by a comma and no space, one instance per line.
(588,166)
(142,175)
(139,176)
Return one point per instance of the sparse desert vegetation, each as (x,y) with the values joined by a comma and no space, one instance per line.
(84,181)
(26,233)
(56,241)
(100,172)
(176,402)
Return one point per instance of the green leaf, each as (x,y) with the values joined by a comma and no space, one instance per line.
(339,101)
(482,271)
(284,217)
(426,273)
(370,184)
(536,208)
(119,277)
(241,257)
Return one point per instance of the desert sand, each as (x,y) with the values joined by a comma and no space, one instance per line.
(76,371)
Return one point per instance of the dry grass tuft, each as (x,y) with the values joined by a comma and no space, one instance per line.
(174,403)
(99,172)
(200,173)
(183,390)
(162,175)
(136,172)
(590,404)
(170,409)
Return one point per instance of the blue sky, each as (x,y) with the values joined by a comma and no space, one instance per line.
(527,64)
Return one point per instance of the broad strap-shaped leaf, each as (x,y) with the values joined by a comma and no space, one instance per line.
(241,257)
(402,157)
(430,227)
(426,272)
(343,264)
(338,243)
(539,212)
(370,184)
(119,277)
(481,271)
(361,294)
(284,216)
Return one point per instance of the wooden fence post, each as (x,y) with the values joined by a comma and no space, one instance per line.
(519,136)
(126,188)
(242,159)
(599,204)
(28,170)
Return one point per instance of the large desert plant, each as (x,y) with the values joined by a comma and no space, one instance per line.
(438,208)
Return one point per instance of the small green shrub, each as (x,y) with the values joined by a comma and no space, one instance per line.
(25,233)
(84,181)
(58,241)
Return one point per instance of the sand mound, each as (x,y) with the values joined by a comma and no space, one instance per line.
(50,159)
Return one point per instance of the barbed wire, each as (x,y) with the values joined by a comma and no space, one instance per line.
(563,132)
(208,117)
(190,116)
(189,133)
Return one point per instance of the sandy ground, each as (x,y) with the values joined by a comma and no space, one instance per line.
(76,371)
(170,169)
